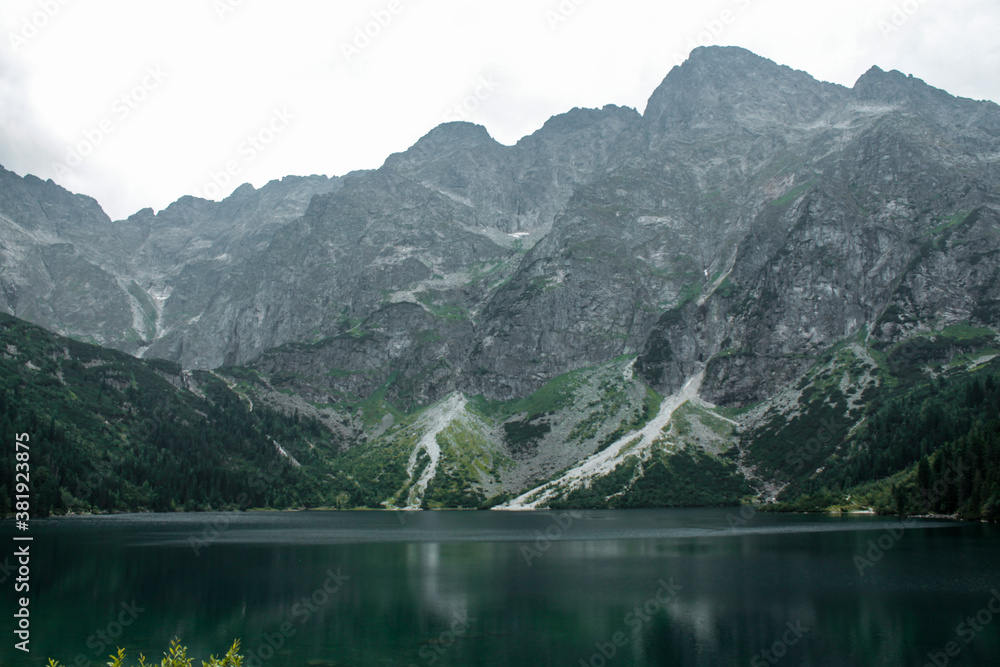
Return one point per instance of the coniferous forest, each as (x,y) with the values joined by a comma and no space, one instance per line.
(111,433)
(924,447)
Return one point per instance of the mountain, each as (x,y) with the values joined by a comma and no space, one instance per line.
(106,431)
(68,267)
(621,308)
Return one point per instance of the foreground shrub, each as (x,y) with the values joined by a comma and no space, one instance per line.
(175,657)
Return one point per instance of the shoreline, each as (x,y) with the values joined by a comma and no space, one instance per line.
(864,512)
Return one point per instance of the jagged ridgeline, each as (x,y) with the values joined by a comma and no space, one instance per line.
(763,286)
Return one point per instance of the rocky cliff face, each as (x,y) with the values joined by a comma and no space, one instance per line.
(751,218)
(126,284)
(862,188)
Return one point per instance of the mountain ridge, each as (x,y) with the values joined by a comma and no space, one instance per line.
(748,224)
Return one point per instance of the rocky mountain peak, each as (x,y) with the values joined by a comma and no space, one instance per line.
(720,89)
(893,87)
(579,119)
(878,85)
(447,138)
(36,204)
(748,198)
(913,96)
(757,239)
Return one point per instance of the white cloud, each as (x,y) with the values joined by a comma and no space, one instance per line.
(228,74)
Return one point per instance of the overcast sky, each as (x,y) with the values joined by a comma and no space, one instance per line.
(138,102)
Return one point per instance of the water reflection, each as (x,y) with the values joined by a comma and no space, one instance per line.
(457,589)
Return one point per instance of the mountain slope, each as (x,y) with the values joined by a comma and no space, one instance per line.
(109,432)
(757,234)
(125,284)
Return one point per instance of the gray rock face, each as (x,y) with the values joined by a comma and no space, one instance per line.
(53,269)
(750,218)
(126,284)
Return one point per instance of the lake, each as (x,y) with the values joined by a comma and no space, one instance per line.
(643,587)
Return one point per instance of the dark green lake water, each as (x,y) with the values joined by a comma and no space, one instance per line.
(656,587)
